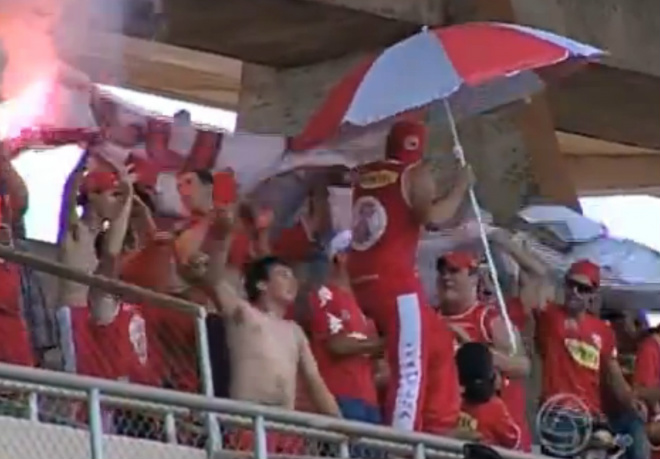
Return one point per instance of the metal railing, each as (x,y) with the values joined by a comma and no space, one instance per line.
(344,433)
(97,392)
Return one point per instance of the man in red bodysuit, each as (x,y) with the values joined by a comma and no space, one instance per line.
(472,320)
(392,200)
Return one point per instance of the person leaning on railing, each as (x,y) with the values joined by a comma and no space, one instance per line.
(37,314)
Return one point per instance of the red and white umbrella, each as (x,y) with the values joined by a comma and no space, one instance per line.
(474,67)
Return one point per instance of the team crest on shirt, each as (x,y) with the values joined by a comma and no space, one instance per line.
(597,340)
(584,354)
(324,295)
(137,333)
(369,222)
(467,422)
(377,179)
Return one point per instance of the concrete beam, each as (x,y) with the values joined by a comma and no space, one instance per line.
(611,104)
(279,33)
(612,174)
(628,29)
(194,76)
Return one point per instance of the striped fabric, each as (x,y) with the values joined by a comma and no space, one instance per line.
(475,67)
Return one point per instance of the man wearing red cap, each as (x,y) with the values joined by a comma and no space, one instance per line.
(577,349)
(472,320)
(101,335)
(104,199)
(392,200)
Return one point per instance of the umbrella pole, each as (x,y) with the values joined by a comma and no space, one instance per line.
(460,155)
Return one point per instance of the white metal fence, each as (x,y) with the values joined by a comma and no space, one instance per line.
(339,437)
(38,404)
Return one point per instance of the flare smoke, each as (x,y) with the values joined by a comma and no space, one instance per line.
(45,38)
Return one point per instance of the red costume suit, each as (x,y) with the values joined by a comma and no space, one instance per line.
(423,392)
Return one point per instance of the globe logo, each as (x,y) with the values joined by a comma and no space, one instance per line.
(564,425)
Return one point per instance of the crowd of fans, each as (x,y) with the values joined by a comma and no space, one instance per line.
(361,342)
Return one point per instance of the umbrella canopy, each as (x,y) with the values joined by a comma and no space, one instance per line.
(482,64)
(566,224)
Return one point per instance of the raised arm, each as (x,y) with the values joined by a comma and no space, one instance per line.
(512,362)
(144,222)
(68,211)
(536,286)
(114,241)
(422,194)
(209,273)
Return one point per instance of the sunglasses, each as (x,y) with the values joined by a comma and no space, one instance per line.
(579,287)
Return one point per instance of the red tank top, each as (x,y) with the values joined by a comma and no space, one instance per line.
(385,231)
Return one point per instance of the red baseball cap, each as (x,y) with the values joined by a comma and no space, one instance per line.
(98,182)
(585,271)
(458,260)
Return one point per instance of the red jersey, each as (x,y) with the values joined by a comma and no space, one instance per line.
(294,244)
(573,354)
(117,350)
(493,421)
(15,346)
(517,313)
(647,374)
(385,231)
(478,324)
(335,312)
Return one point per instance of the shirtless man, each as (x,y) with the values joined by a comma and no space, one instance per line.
(399,196)
(267,351)
(106,199)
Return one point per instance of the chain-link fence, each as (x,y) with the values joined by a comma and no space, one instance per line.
(134,421)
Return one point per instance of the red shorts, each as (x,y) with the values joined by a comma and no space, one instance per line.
(15,347)
(173,344)
(276,442)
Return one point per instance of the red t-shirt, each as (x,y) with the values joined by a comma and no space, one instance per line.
(335,312)
(118,350)
(573,354)
(478,324)
(493,421)
(516,310)
(647,374)
(293,244)
(15,345)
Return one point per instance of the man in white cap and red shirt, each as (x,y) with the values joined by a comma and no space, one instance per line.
(342,341)
(392,200)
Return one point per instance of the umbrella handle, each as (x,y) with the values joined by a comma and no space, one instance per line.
(460,155)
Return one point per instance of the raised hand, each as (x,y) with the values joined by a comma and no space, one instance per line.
(222,222)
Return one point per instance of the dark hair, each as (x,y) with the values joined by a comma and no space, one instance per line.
(99,243)
(476,372)
(259,271)
(204,175)
(82,199)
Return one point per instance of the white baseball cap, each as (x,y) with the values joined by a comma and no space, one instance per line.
(340,243)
